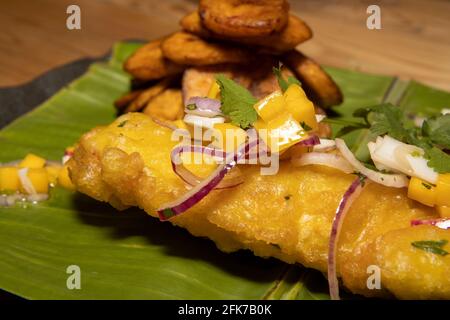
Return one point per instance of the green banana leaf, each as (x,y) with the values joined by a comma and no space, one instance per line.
(128,255)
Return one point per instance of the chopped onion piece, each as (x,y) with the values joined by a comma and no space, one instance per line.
(203,122)
(443,223)
(320,117)
(390,180)
(350,195)
(192,179)
(202,189)
(204,107)
(324,159)
(25,181)
(325,145)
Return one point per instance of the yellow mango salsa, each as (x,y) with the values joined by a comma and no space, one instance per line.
(422,191)
(9,179)
(301,108)
(443,190)
(270,106)
(32,161)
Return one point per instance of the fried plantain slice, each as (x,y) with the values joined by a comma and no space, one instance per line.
(296,32)
(146,95)
(318,85)
(125,100)
(188,49)
(148,63)
(166,106)
(244,18)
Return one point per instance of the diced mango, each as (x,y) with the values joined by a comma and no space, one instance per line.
(53,172)
(214,91)
(228,136)
(64,179)
(443,190)
(280,133)
(39,179)
(270,106)
(180,124)
(301,108)
(444,211)
(32,161)
(422,191)
(9,179)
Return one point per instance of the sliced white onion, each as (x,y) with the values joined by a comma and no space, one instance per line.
(320,117)
(350,195)
(390,154)
(38,197)
(324,159)
(443,223)
(203,122)
(325,145)
(204,107)
(390,180)
(25,181)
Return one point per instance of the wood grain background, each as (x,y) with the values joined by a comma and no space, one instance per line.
(414,41)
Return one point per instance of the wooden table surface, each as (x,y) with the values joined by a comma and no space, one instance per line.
(414,41)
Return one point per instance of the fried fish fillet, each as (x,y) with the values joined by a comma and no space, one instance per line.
(287,215)
(188,49)
(148,63)
(237,18)
(296,32)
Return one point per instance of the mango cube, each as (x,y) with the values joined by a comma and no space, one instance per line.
(64,179)
(53,172)
(444,211)
(422,192)
(443,190)
(9,179)
(228,136)
(214,90)
(39,179)
(32,161)
(270,106)
(280,133)
(301,108)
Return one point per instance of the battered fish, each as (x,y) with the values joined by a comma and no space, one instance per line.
(287,215)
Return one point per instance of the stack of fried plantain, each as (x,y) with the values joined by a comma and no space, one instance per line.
(242,39)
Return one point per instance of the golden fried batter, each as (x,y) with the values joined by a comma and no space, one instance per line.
(148,63)
(296,32)
(287,215)
(317,84)
(237,18)
(188,49)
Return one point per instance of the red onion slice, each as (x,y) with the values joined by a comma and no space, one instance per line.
(205,107)
(443,223)
(350,195)
(202,189)
(390,180)
(192,179)
(325,159)
(311,141)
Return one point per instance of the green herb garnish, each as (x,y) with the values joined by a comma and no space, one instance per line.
(426,185)
(431,246)
(388,119)
(305,126)
(191,106)
(282,82)
(237,102)
(122,123)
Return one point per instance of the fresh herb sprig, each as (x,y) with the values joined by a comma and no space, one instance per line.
(282,82)
(435,247)
(433,137)
(236,102)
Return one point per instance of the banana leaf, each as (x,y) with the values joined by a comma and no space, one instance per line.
(129,255)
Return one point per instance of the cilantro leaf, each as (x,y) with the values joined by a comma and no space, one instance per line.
(438,159)
(438,130)
(431,246)
(237,102)
(283,83)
